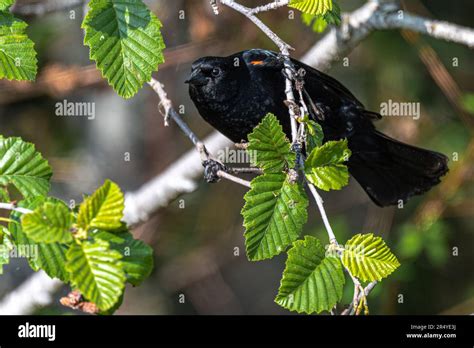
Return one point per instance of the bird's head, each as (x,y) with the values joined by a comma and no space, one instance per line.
(220,79)
(214,78)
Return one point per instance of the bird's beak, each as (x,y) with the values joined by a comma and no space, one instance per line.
(196,78)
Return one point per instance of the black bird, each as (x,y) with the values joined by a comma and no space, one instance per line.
(234,93)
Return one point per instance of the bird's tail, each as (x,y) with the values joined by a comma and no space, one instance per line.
(391,171)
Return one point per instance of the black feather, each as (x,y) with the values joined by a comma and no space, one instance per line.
(234,93)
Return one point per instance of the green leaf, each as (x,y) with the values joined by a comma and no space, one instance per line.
(17,54)
(22,166)
(97,272)
(317,22)
(325,166)
(268,146)
(274,214)
(333,16)
(311,282)
(6,4)
(314,7)
(137,257)
(51,257)
(125,41)
(6,246)
(368,257)
(103,210)
(314,136)
(49,223)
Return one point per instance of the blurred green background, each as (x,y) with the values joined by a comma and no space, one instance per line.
(196,237)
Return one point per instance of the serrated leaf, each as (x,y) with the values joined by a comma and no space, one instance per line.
(314,7)
(97,272)
(311,281)
(268,146)
(333,16)
(17,54)
(6,4)
(103,210)
(125,41)
(22,166)
(51,257)
(274,214)
(314,136)
(49,223)
(6,246)
(325,166)
(317,23)
(368,257)
(137,257)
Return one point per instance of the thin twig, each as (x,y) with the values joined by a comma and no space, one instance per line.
(13,207)
(366,291)
(282,45)
(270,6)
(170,112)
(319,202)
(233,178)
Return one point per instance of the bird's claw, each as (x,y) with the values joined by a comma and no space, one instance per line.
(211,169)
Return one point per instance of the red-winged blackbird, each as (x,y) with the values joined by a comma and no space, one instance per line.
(234,93)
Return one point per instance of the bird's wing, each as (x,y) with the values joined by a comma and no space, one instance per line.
(315,76)
(315,80)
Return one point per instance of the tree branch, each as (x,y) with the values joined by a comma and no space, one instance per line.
(34,292)
(181,177)
(376,15)
(270,6)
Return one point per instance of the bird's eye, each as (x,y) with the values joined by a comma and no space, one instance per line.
(216,72)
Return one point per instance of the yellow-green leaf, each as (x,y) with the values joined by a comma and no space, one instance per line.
(97,272)
(103,210)
(325,166)
(5,4)
(368,257)
(51,257)
(314,7)
(49,223)
(23,167)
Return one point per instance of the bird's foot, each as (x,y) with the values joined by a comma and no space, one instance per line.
(211,169)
